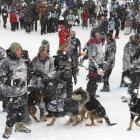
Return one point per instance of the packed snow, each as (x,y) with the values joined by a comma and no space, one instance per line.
(117,111)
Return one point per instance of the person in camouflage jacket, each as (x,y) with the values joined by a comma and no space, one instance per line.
(74,45)
(127,60)
(64,62)
(95,56)
(14,88)
(2,56)
(109,60)
(42,66)
(133,87)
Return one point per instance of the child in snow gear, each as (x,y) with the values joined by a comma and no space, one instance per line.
(64,62)
(57,86)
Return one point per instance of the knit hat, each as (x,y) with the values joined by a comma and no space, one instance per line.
(45,42)
(14,46)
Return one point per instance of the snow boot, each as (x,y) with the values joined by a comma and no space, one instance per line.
(7,132)
(105,89)
(20,127)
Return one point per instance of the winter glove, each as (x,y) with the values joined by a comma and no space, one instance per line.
(51,75)
(30,89)
(135,66)
(38,73)
(105,66)
(100,72)
(50,86)
(18,82)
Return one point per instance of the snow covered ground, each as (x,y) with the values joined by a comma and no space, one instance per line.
(117,111)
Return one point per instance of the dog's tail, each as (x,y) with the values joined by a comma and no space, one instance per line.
(108,121)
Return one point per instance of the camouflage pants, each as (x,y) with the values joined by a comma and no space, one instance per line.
(135,78)
(75,61)
(69,87)
(106,78)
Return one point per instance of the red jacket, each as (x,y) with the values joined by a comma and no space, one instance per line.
(13,18)
(85,16)
(63,36)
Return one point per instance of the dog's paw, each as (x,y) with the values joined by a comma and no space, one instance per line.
(66,124)
(49,124)
(90,125)
(37,121)
(128,129)
(75,124)
(100,121)
(43,119)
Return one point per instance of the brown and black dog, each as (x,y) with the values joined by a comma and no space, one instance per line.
(35,98)
(134,106)
(81,104)
(95,112)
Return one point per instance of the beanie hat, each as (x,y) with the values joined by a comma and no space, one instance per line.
(45,42)
(14,46)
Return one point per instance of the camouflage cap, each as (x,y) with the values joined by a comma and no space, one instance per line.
(14,46)
(44,42)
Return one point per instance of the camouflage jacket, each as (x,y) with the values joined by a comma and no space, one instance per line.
(109,58)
